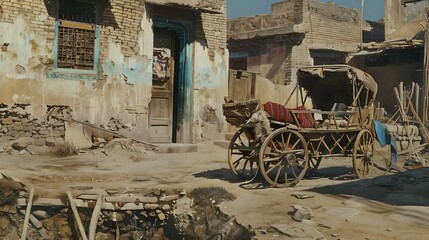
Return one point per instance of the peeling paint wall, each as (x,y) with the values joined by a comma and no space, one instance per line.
(122,87)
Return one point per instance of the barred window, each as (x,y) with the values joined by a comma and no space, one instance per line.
(76,34)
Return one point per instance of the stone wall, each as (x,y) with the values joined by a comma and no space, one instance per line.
(17,124)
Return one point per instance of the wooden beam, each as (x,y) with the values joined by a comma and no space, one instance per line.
(27,215)
(76,216)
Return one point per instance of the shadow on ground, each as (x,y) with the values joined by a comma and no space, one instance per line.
(402,189)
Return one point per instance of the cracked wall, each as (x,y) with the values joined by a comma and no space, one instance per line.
(122,88)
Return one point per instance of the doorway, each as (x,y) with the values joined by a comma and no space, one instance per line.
(169,108)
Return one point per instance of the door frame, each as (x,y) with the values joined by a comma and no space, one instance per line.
(183,85)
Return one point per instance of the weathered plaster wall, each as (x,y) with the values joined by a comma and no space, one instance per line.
(396,14)
(123,90)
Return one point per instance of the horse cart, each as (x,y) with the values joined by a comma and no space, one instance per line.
(283,144)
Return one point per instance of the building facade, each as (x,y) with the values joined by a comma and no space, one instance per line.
(297,33)
(153,65)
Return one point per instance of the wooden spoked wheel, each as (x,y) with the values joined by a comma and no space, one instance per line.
(284,157)
(243,156)
(362,153)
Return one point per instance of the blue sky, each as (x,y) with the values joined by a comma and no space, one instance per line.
(374,9)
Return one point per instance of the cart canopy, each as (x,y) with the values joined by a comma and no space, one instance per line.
(329,84)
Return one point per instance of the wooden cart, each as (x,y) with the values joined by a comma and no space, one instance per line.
(340,94)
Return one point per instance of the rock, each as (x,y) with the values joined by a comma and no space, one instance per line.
(302,195)
(346,213)
(151,206)
(22,143)
(50,142)
(166,207)
(40,214)
(22,152)
(40,142)
(301,213)
(161,216)
(299,231)
(169,198)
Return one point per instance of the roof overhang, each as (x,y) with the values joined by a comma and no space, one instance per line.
(193,5)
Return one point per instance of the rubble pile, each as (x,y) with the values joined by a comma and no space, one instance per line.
(17,124)
(406,136)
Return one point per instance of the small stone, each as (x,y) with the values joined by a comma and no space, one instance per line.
(40,214)
(335,235)
(50,142)
(22,152)
(302,212)
(169,198)
(263,231)
(22,143)
(161,216)
(151,206)
(182,193)
(389,229)
(166,207)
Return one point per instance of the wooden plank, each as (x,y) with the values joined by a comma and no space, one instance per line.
(76,216)
(78,25)
(27,215)
(94,218)
(117,135)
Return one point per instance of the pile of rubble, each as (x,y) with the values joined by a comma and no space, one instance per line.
(17,124)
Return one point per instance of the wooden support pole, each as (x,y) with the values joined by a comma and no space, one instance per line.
(76,216)
(94,218)
(27,215)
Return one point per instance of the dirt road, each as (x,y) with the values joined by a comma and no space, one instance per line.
(390,207)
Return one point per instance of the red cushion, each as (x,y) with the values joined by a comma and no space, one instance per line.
(278,112)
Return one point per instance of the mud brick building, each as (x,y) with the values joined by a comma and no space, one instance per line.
(297,33)
(155,65)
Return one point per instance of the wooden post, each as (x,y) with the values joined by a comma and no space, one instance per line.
(27,215)
(94,218)
(424,110)
(361,24)
(76,216)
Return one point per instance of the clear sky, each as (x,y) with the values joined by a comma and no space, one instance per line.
(374,9)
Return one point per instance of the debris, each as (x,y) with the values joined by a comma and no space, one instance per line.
(302,195)
(298,231)
(104,131)
(9,193)
(302,212)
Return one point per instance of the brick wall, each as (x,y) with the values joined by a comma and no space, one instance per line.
(211,27)
(330,23)
(121,22)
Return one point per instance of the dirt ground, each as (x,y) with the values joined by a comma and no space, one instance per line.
(389,207)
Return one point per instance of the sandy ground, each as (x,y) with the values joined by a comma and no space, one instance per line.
(343,209)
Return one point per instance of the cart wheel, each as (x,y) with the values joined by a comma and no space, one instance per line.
(243,156)
(284,156)
(362,153)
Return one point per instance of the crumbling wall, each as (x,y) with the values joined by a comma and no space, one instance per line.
(122,87)
(397,14)
(283,39)
(31,134)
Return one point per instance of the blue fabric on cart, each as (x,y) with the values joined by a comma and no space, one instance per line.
(384,138)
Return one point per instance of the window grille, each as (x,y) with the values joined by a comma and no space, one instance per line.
(76,35)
